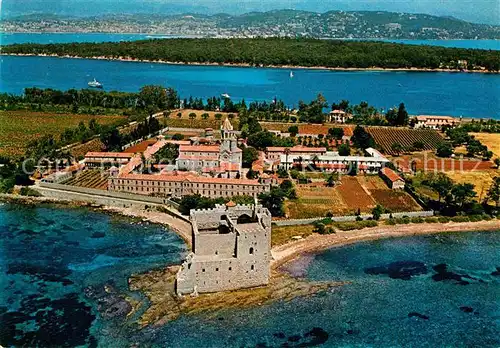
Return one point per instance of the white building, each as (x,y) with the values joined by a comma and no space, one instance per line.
(332,162)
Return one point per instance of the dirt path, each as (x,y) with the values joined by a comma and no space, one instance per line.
(316,242)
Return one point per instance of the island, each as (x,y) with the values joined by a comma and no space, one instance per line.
(275,52)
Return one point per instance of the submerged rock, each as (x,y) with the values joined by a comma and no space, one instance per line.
(496,273)
(467,309)
(109,303)
(443,274)
(64,322)
(399,270)
(98,235)
(45,273)
(418,315)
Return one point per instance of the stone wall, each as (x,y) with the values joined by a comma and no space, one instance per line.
(110,199)
(351,218)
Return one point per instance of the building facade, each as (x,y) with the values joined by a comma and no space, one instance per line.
(107,159)
(435,122)
(338,116)
(231,250)
(222,161)
(180,184)
(372,163)
(393,180)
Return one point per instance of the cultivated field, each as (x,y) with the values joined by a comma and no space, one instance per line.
(490,140)
(305,128)
(482,180)
(429,162)
(198,122)
(385,137)
(20,127)
(363,192)
(91,179)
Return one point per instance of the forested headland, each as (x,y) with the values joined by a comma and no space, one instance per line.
(276,52)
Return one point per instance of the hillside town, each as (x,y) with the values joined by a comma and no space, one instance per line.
(283,23)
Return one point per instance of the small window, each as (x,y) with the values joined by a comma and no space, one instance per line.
(252,267)
(216,252)
(230,268)
(251,251)
(217,270)
(203,270)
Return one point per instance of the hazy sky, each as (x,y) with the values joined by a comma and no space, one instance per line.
(484,11)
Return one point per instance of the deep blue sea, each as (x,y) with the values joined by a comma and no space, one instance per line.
(44,38)
(435,93)
(431,291)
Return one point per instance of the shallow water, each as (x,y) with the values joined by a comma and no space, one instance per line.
(414,308)
(48,257)
(440,290)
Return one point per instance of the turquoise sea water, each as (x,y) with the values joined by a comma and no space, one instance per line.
(456,94)
(437,291)
(12,38)
(54,265)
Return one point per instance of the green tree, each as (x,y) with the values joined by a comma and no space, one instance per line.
(361,138)
(344,150)
(442,184)
(377,212)
(336,133)
(497,162)
(418,145)
(261,140)
(332,179)
(397,148)
(249,156)
(204,115)
(274,201)
(444,150)
(177,136)
(392,117)
(293,130)
(402,119)
(494,191)
(462,194)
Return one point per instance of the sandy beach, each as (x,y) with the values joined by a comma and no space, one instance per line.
(314,243)
(246,65)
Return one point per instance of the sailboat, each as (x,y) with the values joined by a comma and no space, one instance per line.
(225,95)
(291,74)
(95,84)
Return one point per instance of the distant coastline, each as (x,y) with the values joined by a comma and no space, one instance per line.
(246,65)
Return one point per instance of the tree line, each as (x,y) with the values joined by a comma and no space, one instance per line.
(276,52)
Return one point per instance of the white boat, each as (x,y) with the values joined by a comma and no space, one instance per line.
(291,74)
(225,95)
(95,84)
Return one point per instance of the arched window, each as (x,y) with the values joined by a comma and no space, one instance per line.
(251,251)
(252,267)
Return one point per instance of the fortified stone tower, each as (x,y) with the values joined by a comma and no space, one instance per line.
(231,250)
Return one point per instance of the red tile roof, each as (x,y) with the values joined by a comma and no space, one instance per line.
(391,174)
(198,157)
(297,148)
(109,154)
(199,148)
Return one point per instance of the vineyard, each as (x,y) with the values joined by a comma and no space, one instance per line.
(386,137)
(395,201)
(91,179)
(18,128)
(362,192)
